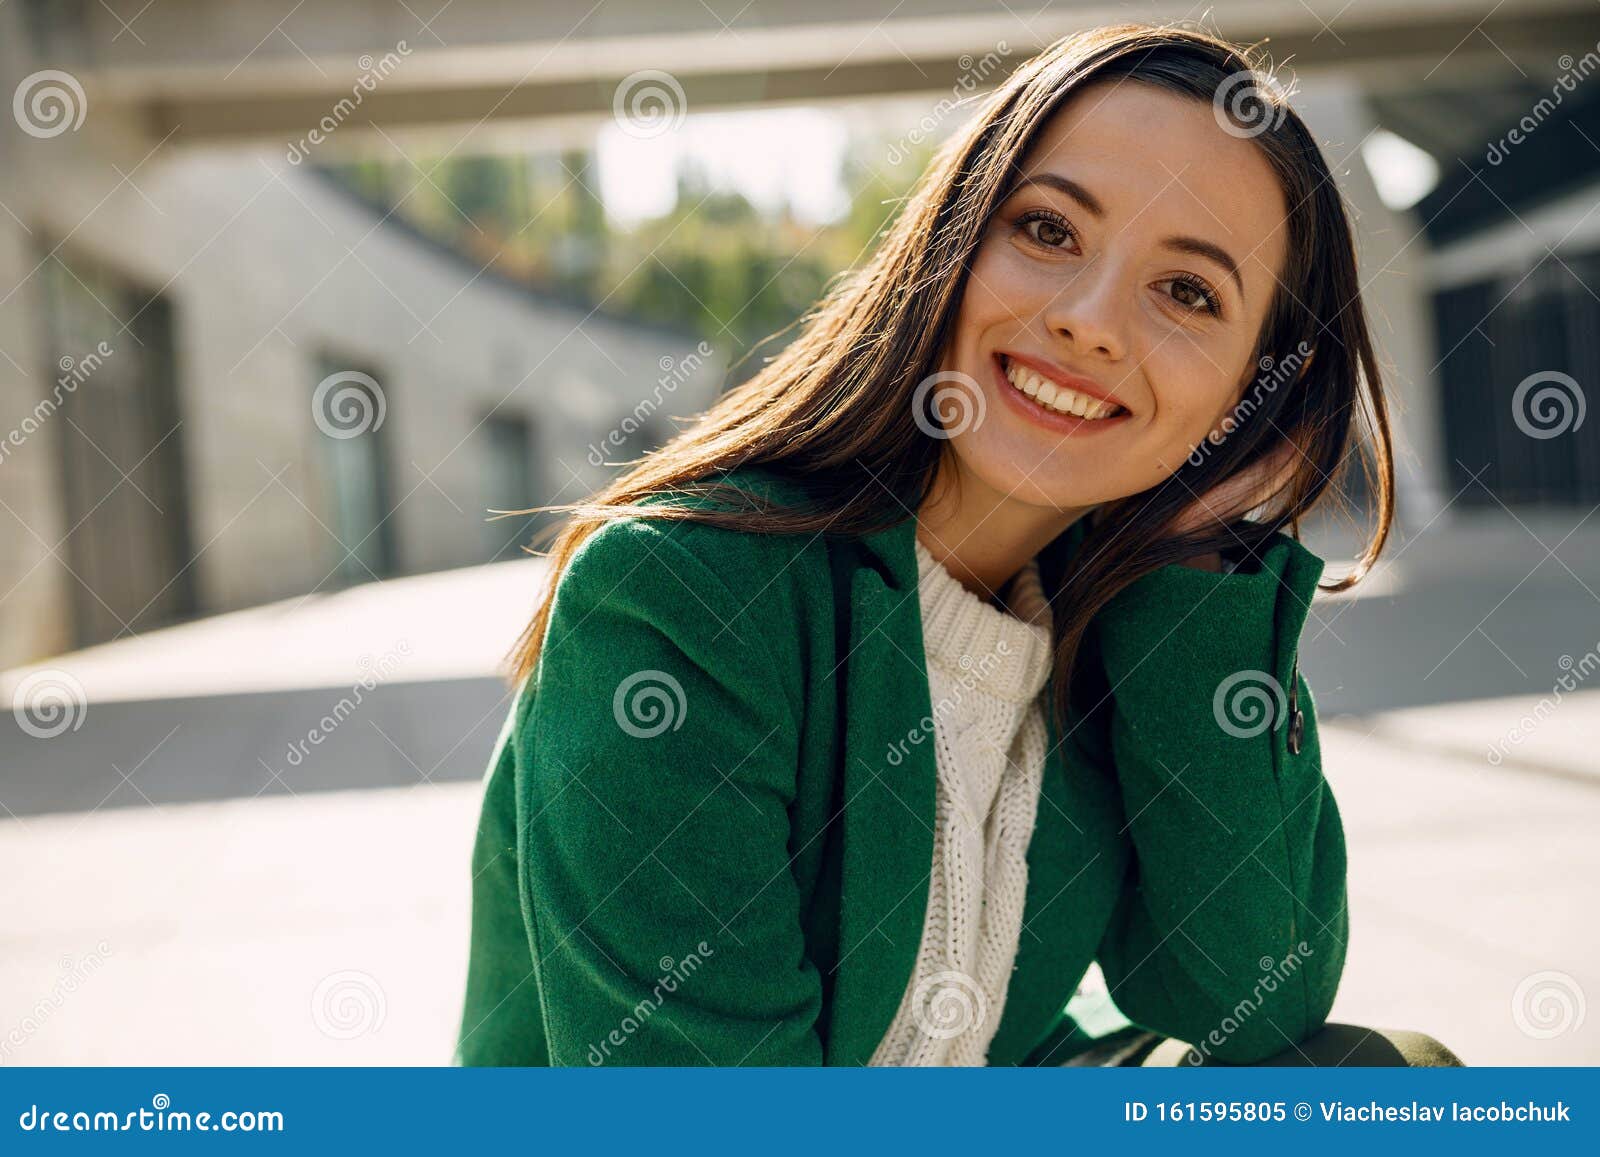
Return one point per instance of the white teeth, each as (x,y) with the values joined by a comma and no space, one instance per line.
(1048,393)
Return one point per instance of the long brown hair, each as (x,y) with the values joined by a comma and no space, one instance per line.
(835,407)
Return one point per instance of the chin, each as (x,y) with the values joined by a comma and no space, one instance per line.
(1027,473)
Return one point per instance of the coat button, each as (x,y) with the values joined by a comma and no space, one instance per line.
(1297,718)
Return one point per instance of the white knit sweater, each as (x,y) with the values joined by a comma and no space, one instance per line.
(986,671)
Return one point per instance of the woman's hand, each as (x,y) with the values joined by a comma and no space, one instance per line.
(1236,496)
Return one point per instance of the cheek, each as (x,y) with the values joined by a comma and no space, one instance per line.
(1203,422)
(1195,381)
(1189,406)
(1001,288)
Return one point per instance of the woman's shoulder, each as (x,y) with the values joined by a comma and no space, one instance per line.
(741,603)
(734,553)
(687,569)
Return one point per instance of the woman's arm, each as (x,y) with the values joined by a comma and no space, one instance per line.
(1230,933)
(653,773)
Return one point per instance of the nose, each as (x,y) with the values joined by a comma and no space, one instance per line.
(1089,312)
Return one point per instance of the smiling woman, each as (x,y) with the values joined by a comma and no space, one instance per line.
(956,651)
(1107,287)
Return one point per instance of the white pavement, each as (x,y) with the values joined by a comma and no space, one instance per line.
(453,624)
(331,928)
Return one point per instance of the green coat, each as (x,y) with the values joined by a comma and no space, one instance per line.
(707,827)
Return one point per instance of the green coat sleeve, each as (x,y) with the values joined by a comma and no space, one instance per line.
(654,770)
(501,1021)
(1230,931)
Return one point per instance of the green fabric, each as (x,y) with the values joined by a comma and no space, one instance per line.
(748,885)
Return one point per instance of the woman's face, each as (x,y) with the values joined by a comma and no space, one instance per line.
(1129,273)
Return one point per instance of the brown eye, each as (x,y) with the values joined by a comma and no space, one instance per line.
(1194,295)
(1048,229)
(1049,233)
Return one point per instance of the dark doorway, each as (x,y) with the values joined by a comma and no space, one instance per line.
(115,410)
(1520,361)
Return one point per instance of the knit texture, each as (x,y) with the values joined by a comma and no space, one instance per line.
(986,669)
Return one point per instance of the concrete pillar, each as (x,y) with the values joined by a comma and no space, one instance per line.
(1391,252)
(33,596)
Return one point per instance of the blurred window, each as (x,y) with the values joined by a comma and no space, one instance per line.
(357,471)
(508,483)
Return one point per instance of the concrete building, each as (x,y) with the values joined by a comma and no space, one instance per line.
(224,381)
(185,471)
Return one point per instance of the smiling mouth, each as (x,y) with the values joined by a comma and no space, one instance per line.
(1054,396)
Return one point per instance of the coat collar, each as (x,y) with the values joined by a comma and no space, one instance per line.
(890,773)
(889,777)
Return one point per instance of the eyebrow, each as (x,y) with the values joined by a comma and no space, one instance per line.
(1193,245)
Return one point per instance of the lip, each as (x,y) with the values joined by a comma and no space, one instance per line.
(1044,416)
